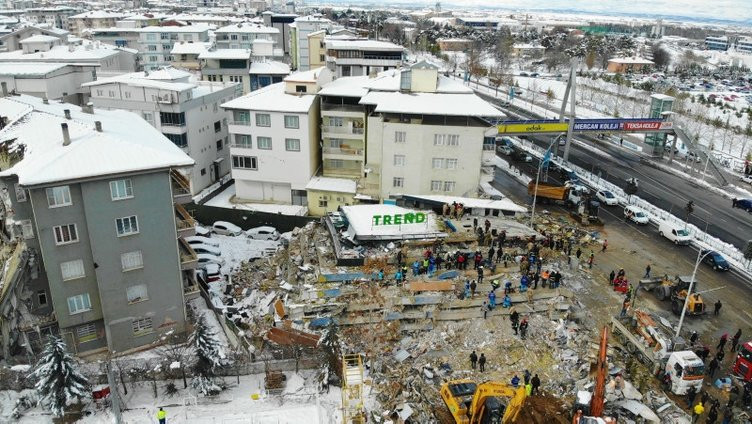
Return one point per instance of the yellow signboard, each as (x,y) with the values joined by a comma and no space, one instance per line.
(533,128)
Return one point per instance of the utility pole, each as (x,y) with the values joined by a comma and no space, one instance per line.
(114,394)
(570,129)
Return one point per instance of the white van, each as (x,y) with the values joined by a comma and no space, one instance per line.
(674,232)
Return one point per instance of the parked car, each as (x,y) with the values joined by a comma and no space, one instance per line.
(205,258)
(264,232)
(607,198)
(745,204)
(226,228)
(636,215)
(211,272)
(674,232)
(716,260)
(205,248)
(202,231)
(522,156)
(746,179)
(201,240)
(505,150)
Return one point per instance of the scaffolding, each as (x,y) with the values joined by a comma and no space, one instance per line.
(353,411)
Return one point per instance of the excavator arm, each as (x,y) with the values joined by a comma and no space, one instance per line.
(496,389)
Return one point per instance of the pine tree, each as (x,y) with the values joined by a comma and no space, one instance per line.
(209,356)
(58,381)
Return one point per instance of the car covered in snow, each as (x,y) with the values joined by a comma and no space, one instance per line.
(211,272)
(264,232)
(607,198)
(203,231)
(201,240)
(205,258)
(636,215)
(226,228)
(205,248)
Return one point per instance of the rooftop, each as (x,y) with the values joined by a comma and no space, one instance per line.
(364,44)
(347,87)
(631,60)
(126,144)
(338,185)
(39,38)
(363,225)
(246,28)
(100,14)
(430,104)
(26,69)
(305,76)
(271,67)
(226,54)
(87,51)
(272,98)
(167,78)
(190,48)
(390,81)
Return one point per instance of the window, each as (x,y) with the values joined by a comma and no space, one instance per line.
(111,93)
(435,185)
(87,332)
(244,162)
(336,121)
(203,171)
(127,94)
(78,304)
(264,143)
(449,185)
(121,189)
(172,119)
(292,144)
(322,58)
(335,143)
(100,93)
(218,126)
(42,297)
(219,145)
(263,120)
(323,203)
(301,89)
(142,326)
(166,47)
(20,193)
(400,136)
(72,270)
(398,182)
(291,121)
(136,293)
(336,163)
(58,196)
(27,230)
(149,117)
(233,36)
(242,140)
(437,163)
(132,260)
(243,118)
(151,48)
(438,139)
(453,140)
(399,160)
(180,140)
(126,226)
(151,37)
(65,234)
(451,163)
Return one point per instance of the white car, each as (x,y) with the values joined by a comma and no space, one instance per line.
(636,215)
(607,198)
(205,248)
(746,179)
(505,150)
(226,228)
(202,231)
(193,240)
(205,258)
(263,233)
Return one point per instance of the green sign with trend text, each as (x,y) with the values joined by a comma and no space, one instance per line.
(399,219)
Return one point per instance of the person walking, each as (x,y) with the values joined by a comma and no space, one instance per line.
(162,416)
(735,340)
(647,271)
(691,393)
(491,253)
(535,382)
(605,245)
(712,368)
(578,253)
(482,362)
(526,378)
(697,411)
(722,342)
(523,329)
(693,338)
(611,277)
(591,259)
(624,307)
(473,286)
(717,308)
(515,324)
(473,360)
(480,274)
(719,356)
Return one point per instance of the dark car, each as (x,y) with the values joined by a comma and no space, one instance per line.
(745,204)
(716,260)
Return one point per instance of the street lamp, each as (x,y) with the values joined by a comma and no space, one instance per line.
(689,290)
(537,178)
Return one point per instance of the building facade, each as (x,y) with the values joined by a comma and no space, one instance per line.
(717,43)
(361,56)
(81,23)
(53,81)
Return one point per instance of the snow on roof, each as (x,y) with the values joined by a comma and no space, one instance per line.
(247,28)
(528,46)
(390,81)
(363,44)
(197,27)
(21,69)
(272,98)
(311,18)
(305,76)
(454,40)
(99,14)
(271,67)
(364,226)
(168,73)
(631,60)
(430,104)
(471,202)
(346,87)
(96,51)
(190,48)
(226,54)
(39,38)
(139,79)
(338,185)
(127,143)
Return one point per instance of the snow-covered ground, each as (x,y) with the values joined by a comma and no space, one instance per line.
(236,249)
(226,197)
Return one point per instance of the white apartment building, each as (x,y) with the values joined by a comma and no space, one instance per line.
(12,40)
(81,23)
(353,57)
(274,133)
(300,47)
(717,43)
(55,17)
(185,112)
(53,81)
(244,36)
(744,44)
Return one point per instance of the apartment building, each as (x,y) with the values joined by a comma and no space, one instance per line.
(93,203)
(247,36)
(282,22)
(353,57)
(12,41)
(53,81)
(274,139)
(717,43)
(744,44)
(55,17)
(300,42)
(185,55)
(185,112)
(81,23)
(231,65)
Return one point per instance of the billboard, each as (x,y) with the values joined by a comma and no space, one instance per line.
(541,127)
(584,125)
(597,125)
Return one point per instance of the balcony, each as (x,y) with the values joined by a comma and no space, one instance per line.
(186,225)
(190,285)
(188,258)
(181,187)
(239,127)
(342,151)
(343,168)
(342,130)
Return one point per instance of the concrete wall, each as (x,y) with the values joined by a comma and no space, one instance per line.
(334,201)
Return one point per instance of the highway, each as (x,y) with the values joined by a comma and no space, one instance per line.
(662,189)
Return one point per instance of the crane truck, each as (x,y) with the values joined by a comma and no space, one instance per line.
(647,338)
(485,403)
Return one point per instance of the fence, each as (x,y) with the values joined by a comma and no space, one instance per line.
(246,219)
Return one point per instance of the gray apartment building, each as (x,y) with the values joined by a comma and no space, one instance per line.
(92,203)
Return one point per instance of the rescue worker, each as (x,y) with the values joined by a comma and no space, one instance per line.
(482,362)
(735,340)
(697,411)
(473,286)
(536,384)
(473,360)
(523,328)
(162,415)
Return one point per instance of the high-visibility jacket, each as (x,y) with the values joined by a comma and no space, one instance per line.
(699,409)
(162,414)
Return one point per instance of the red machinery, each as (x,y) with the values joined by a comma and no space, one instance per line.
(743,363)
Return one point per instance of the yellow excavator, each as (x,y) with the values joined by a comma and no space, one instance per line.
(485,403)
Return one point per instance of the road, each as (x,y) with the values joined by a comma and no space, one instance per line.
(662,189)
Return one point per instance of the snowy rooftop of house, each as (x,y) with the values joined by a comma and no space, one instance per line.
(305,76)
(190,48)
(471,202)
(270,67)
(206,17)
(338,185)
(198,27)
(226,54)
(127,143)
(246,28)
(165,78)
(631,60)
(99,14)
(363,224)
(390,81)
(311,18)
(347,87)
(363,44)
(39,38)
(95,51)
(21,69)
(430,104)
(272,98)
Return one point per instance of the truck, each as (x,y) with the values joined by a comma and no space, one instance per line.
(571,194)
(648,338)
(743,362)
(676,291)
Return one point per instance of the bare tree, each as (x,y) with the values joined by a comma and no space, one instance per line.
(661,57)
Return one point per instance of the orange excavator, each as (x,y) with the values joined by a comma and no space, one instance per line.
(595,413)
